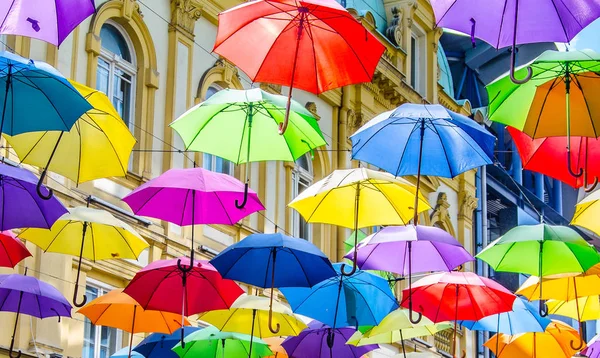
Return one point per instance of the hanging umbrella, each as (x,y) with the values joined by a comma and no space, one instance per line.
(357,300)
(357,198)
(255,316)
(50,21)
(124,353)
(12,250)
(118,310)
(18,196)
(537,153)
(501,23)
(276,347)
(241,126)
(540,250)
(396,327)
(211,343)
(593,348)
(551,343)
(298,44)
(349,242)
(98,145)
(28,295)
(103,236)
(159,345)
(320,341)
(582,309)
(587,212)
(253,261)
(201,288)
(453,296)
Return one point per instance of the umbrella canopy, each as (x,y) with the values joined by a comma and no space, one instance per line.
(357,300)
(554,342)
(276,347)
(583,308)
(320,341)
(18,189)
(241,126)
(124,353)
(103,236)
(159,345)
(12,250)
(433,249)
(537,153)
(523,318)
(586,213)
(593,348)
(98,145)
(50,21)
(349,242)
(454,143)
(210,343)
(564,288)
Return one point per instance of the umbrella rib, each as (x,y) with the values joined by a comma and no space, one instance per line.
(570,13)
(470,145)
(561,20)
(206,123)
(242,140)
(369,76)
(33,147)
(93,241)
(406,146)
(501,23)
(285,29)
(587,107)
(187,194)
(224,209)
(301,266)
(537,124)
(8,12)
(125,240)
(18,183)
(10,261)
(314,51)
(267,268)
(357,291)
(50,101)
(434,129)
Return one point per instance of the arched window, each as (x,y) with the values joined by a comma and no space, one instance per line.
(302,178)
(116,71)
(209,161)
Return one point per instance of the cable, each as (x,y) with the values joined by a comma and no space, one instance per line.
(523,194)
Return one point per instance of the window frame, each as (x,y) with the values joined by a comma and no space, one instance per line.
(213,158)
(97,344)
(305,177)
(418,80)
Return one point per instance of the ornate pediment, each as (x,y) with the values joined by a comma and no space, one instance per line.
(184,14)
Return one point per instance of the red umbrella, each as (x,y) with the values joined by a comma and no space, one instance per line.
(549,156)
(313,45)
(162,286)
(453,296)
(12,250)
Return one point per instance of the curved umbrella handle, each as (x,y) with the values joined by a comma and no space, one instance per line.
(75,303)
(330,338)
(237,203)
(185,269)
(354,267)
(38,187)
(410,315)
(11,349)
(182,337)
(591,187)
(57,314)
(543,310)
(579,346)
(277,325)
(579,173)
(473,22)
(512,69)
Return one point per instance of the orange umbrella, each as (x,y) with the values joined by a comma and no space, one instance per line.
(118,310)
(275,346)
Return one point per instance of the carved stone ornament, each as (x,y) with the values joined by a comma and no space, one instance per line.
(184,14)
(441,208)
(128,8)
(468,203)
(394,31)
(312,108)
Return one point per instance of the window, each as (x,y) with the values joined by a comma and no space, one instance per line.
(98,341)
(116,71)
(209,161)
(418,60)
(3,45)
(302,177)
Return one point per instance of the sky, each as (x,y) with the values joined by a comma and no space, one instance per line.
(588,38)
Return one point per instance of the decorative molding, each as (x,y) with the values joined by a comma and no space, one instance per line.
(271,88)
(467,204)
(223,73)
(312,108)
(129,8)
(184,14)
(394,31)
(440,214)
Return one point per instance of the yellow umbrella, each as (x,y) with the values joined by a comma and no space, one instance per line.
(583,308)
(250,315)
(118,310)
(587,212)
(357,198)
(554,342)
(98,145)
(102,237)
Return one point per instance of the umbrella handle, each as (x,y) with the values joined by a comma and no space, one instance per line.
(410,315)
(38,187)
(57,315)
(591,187)
(473,22)
(277,325)
(11,349)
(579,173)
(330,338)
(75,303)
(182,337)
(578,347)
(513,53)
(237,203)
(351,271)
(543,310)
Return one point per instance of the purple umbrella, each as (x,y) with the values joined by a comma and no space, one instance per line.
(193,196)
(18,195)
(394,247)
(593,348)
(319,340)
(49,20)
(28,295)
(504,23)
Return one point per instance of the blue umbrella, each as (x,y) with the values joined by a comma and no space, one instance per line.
(361,299)
(254,260)
(124,353)
(455,144)
(523,318)
(158,345)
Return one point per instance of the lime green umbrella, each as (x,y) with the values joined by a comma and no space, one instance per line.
(349,243)
(540,250)
(209,342)
(243,126)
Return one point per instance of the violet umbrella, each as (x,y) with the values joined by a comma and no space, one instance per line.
(18,195)
(504,23)
(320,340)
(30,296)
(593,348)
(50,20)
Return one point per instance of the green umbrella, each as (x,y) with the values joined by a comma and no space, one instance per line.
(349,243)
(540,250)
(212,343)
(243,126)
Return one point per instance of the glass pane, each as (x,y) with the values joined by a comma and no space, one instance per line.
(102,76)
(303,163)
(207,161)
(122,95)
(413,61)
(108,342)
(211,91)
(113,41)
(89,330)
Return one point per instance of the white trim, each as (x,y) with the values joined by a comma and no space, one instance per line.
(419,82)
(103,289)
(304,177)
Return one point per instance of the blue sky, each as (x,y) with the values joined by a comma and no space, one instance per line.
(588,38)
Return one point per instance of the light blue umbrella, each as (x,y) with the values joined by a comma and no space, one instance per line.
(124,353)
(523,318)
(158,345)
(361,299)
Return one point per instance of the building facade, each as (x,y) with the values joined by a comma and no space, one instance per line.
(153,59)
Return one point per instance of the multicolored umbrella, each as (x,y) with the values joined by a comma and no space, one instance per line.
(118,310)
(502,24)
(28,295)
(361,299)
(102,235)
(277,32)
(12,250)
(320,341)
(587,212)
(18,196)
(253,261)
(551,343)
(211,343)
(159,345)
(51,21)
(357,198)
